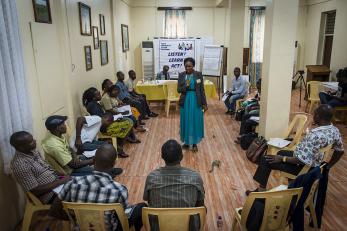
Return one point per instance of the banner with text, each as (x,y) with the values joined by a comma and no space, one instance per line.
(173,52)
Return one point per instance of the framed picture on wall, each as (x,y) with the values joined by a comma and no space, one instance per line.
(102,24)
(96,37)
(125,37)
(85,19)
(88,57)
(103,52)
(42,11)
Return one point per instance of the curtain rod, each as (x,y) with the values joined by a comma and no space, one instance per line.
(257,7)
(175,8)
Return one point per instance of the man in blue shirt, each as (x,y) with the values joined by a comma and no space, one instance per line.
(138,102)
(238,91)
(164,75)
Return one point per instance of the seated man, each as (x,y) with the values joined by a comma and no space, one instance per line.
(306,152)
(164,75)
(31,171)
(338,98)
(99,187)
(84,138)
(127,98)
(238,91)
(173,186)
(56,146)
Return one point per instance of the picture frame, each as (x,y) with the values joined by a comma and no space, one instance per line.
(125,37)
(85,19)
(42,11)
(88,57)
(102,24)
(103,52)
(96,37)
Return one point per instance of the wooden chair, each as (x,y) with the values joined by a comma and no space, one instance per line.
(297,124)
(327,155)
(89,215)
(277,205)
(33,205)
(171,93)
(173,219)
(313,94)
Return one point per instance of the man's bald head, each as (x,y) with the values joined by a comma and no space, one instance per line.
(105,157)
(323,114)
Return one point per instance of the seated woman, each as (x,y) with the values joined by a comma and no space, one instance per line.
(124,126)
(338,98)
(106,85)
(110,103)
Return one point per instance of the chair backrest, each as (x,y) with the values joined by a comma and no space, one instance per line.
(313,190)
(173,219)
(54,164)
(277,205)
(313,90)
(91,216)
(33,200)
(297,124)
(171,90)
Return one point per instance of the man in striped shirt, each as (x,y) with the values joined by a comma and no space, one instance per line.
(173,186)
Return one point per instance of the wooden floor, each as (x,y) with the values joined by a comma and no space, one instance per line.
(224,187)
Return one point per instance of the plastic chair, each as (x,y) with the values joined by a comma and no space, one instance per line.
(297,124)
(107,137)
(33,205)
(171,93)
(313,94)
(89,215)
(277,205)
(327,155)
(54,164)
(173,219)
(343,114)
(240,101)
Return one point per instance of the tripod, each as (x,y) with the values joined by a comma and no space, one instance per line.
(302,81)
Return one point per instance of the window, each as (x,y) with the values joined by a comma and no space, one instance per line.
(175,23)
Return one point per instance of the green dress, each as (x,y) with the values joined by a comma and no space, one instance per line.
(191,116)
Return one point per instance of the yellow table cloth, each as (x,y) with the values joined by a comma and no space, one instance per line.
(157,90)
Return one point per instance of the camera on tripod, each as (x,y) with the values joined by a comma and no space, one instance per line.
(301,72)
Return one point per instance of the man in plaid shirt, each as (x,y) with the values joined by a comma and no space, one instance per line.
(99,187)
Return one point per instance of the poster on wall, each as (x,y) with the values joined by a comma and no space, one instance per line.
(172,52)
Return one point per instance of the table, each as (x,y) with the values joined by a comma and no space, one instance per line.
(156,90)
(317,73)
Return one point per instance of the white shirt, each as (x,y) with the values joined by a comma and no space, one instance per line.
(89,130)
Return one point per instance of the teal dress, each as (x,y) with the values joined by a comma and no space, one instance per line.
(191,117)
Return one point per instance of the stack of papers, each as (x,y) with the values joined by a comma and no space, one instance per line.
(278,142)
(118,116)
(124,109)
(89,154)
(58,189)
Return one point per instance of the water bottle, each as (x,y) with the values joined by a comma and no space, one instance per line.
(219,222)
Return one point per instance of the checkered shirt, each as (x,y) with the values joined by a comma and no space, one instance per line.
(31,171)
(98,187)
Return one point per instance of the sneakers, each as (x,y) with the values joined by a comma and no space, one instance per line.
(152,114)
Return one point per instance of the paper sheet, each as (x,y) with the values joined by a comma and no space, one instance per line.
(278,142)
(58,189)
(89,154)
(255,118)
(116,117)
(225,96)
(124,109)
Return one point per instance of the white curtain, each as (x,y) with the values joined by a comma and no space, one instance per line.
(175,23)
(258,36)
(15,112)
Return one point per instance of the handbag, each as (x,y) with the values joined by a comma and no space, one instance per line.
(239,113)
(247,139)
(257,149)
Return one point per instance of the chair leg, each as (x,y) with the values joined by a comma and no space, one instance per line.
(233,225)
(167,108)
(311,107)
(313,216)
(28,214)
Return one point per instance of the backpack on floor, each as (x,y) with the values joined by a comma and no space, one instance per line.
(257,149)
(239,113)
(247,139)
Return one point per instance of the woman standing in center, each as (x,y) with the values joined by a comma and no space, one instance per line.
(192,105)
